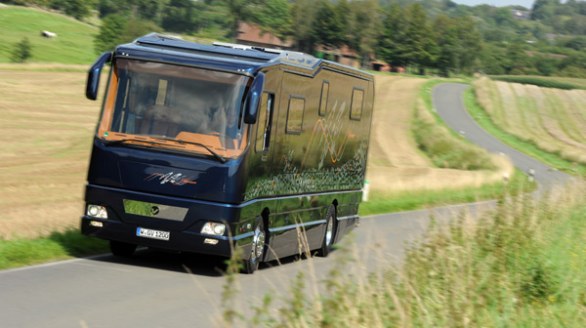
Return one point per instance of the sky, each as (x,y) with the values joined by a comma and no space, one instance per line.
(498,3)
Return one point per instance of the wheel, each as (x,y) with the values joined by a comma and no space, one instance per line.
(122,249)
(330,233)
(257,248)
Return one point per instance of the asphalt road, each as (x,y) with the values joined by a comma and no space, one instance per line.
(168,290)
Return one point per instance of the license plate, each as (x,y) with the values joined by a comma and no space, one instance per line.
(154,234)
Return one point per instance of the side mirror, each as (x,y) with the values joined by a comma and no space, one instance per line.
(251,109)
(93,76)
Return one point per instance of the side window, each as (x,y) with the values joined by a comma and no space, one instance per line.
(357,103)
(323,103)
(295,115)
(265,121)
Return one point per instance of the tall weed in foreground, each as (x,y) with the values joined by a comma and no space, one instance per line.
(520,265)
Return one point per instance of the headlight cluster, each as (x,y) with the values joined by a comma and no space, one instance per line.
(213,228)
(96,211)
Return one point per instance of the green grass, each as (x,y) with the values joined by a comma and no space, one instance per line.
(525,146)
(443,146)
(73,44)
(419,199)
(58,246)
(541,81)
(520,265)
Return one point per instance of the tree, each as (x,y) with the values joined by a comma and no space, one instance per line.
(238,10)
(328,28)
(303,13)
(366,28)
(421,47)
(22,51)
(273,16)
(543,9)
(182,16)
(78,9)
(391,46)
(118,29)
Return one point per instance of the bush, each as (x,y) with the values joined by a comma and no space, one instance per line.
(445,149)
(22,51)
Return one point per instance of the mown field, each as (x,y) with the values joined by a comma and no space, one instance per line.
(552,119)
(73,44)
(47,126)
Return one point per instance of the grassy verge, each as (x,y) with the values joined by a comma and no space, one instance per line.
(417,199)
(58,246)
(520,265)
(546,82)
(527,147)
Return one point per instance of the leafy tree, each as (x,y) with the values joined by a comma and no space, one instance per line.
(182,16)
(303,13)
(421,48)
(391,46)
(274,16)
(22,51)
(118,29)
(78,9)
(238,11)
(328,28)
(145,9)
(366,28)
(447,36)
(543,9)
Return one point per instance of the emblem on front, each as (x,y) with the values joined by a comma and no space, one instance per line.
(154,210)
(173,178)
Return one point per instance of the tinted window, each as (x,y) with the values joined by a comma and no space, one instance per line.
(325,91)
(263,132)
(357,103)
(295,115)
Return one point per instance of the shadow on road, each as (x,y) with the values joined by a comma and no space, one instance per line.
(190,263)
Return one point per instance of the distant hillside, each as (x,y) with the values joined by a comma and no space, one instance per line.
(73,44)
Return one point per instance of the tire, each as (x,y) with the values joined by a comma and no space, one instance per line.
(329,234)
(257,249)
(122,249)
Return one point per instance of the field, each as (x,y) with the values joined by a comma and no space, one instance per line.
(396,164)
(551,119)
(73,44)
(47,126)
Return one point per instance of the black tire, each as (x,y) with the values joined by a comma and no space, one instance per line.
(122,249)
(258,248)
(329,234)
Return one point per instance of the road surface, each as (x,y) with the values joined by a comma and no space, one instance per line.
(168,290)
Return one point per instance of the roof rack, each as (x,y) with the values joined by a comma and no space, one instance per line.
(246,47)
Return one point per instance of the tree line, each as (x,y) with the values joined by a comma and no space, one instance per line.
(425,35)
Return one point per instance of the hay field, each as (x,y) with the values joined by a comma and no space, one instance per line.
(552,119)
(395,163)
(47,126)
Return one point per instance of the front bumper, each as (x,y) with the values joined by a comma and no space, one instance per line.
(186,241)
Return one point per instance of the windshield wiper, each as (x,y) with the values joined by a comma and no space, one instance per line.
(184,142)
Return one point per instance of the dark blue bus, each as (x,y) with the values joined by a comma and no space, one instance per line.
(216,148)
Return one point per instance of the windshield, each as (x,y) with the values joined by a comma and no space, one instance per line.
(183,108)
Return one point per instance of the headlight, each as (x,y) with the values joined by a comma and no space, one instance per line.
(213,228)
(97,211)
